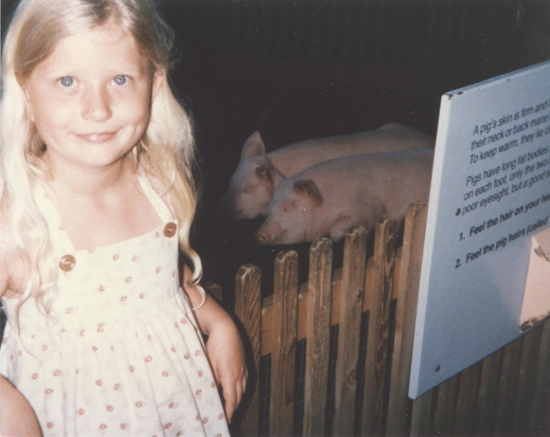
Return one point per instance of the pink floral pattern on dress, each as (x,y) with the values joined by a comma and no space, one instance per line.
(102,363)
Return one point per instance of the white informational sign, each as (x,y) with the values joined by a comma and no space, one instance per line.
(490,194)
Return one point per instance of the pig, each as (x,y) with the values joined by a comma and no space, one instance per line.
(330,197)
(258,173)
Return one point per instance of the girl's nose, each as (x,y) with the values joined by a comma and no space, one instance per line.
(96,105)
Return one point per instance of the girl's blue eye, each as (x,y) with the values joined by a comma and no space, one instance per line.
(66,81)
(120,79)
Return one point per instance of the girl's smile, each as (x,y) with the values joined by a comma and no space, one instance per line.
(90,99)
(98,137)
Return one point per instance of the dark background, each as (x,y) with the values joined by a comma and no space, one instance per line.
(303,69)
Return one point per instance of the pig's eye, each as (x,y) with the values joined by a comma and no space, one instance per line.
(288,206)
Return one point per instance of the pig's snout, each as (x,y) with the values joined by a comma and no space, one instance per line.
(270,236)
(261,237)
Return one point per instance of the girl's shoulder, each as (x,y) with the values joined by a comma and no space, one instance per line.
(156,183)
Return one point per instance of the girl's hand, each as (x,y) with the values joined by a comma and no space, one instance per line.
(226,353)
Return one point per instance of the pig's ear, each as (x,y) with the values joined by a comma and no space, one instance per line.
(309,188)
(265,173)
(254,146)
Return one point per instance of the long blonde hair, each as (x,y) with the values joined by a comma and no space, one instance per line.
(167,149)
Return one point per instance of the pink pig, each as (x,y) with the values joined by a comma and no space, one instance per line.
(327,199)
(258,173)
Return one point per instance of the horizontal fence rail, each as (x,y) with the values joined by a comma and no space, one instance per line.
(333,356)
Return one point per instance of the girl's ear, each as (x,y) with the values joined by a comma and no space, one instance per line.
(158,78)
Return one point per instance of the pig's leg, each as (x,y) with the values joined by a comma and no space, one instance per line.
(340,226)
(365,216)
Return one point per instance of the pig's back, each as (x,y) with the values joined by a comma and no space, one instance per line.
(393,179)
(296,157)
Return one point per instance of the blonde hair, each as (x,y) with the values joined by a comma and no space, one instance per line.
(167,149)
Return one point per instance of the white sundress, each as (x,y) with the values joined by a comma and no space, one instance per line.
(120,353)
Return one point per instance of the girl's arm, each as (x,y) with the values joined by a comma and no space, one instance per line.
(16,415)
(224,347)
(4,275)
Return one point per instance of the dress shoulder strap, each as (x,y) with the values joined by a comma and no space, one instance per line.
(46,205)
(156,200)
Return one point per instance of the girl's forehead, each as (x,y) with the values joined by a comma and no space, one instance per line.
(107,33)
(105,36)
(107,42)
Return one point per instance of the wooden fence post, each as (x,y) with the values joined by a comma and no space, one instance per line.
(248,309)
(283,355)
(506,393)
(443,415)
(319,307)
(527,380)
(399,409)
(351,303)
(377,355)
(466,402)
(421,415)
(539,420)
(488,389)
(507,387)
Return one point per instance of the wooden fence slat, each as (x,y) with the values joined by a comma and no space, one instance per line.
(363,38)
(409,280)
(507,387)
(487,394)
(282,25)
(396,272)
(430,37)
(421,415)
(248,309)
(526,380)
(250,41)
(347,25)
(267,15)
(332,50)
(464,417)
(370,283)
(506,393)
(443,415)
(302,312)
(234,40)
(394,44)
(447,35)
(315,38)
(351,302)
(465,31)
(283,356)
(539,420)
(298,30)
(376,363)
(381,19)
(319,300)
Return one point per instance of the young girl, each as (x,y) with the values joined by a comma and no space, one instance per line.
(97,198)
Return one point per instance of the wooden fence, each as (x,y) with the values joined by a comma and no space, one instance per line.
(355,374)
